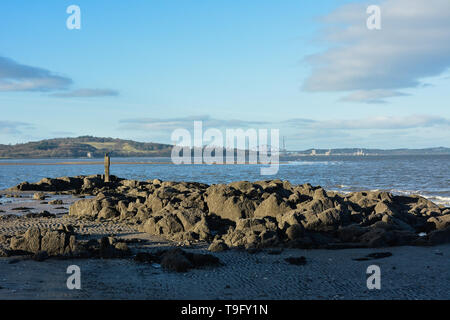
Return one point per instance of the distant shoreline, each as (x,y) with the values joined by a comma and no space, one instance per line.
(122,163)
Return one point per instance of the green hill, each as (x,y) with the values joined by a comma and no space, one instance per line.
(82,146)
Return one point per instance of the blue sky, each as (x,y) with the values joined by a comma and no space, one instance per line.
(140,69)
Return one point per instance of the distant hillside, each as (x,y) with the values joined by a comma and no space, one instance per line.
(82,146)
(404,151)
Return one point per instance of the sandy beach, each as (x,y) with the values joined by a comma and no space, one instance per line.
(410,273)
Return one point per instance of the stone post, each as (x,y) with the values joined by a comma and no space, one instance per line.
(107,164)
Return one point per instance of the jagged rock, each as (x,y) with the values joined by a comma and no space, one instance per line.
(251,214)
(43,214)
(203,229)
(378,237)
(39,196)
(272,207)
(289,219)
(218,246)
(166,224)
(439,223)
(351,233)
(108,213)
(298,261)
(34,240)
(85,208)
(181,261)
(440,236)
(189,217)
(316,205)
(40,256)
(295,232)
(56,202)
(225,202)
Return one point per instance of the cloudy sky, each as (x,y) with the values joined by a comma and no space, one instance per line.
(141,69)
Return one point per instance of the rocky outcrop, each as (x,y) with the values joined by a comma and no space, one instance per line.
(63,242)
(178,260)
(53,242)
(257,214)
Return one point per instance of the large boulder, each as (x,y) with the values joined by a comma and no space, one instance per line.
(53,242)
(85,208)
(162,224)
(226,203)
(273,206)
(440,222)
(440,236)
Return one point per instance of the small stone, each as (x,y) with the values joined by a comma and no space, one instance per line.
(218,246)
(39,196)
(298,261)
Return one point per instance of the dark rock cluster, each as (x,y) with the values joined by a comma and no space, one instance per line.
(178,260)
(63,243)
(257,214)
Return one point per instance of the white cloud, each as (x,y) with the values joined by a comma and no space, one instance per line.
(384,123)
(13,127)
(87,93)
(20,77)
(373,65)
(185,122)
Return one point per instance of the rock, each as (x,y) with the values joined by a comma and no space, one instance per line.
(203,229)
(108,213)
(224,202)
(272,207)
(176,260)
(440,222)
(56,202)
(377,238)
(243,214)
(298,261)
(43,214)
(351,233)
(168,224)
(295,232)
(55,243)
(289,219)
(40,256)
(383,208)
(440,236)
(39,196)
(374,256)
(379,255)
(85,208)
(218,246)
(121,246)
(4,253)
(189,217)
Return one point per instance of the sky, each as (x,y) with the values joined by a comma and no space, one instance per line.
(141,69)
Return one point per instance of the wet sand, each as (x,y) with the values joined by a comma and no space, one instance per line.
(410,273)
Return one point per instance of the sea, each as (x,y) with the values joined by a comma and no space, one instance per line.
(425,175)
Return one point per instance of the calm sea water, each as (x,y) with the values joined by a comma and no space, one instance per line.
(425,175)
